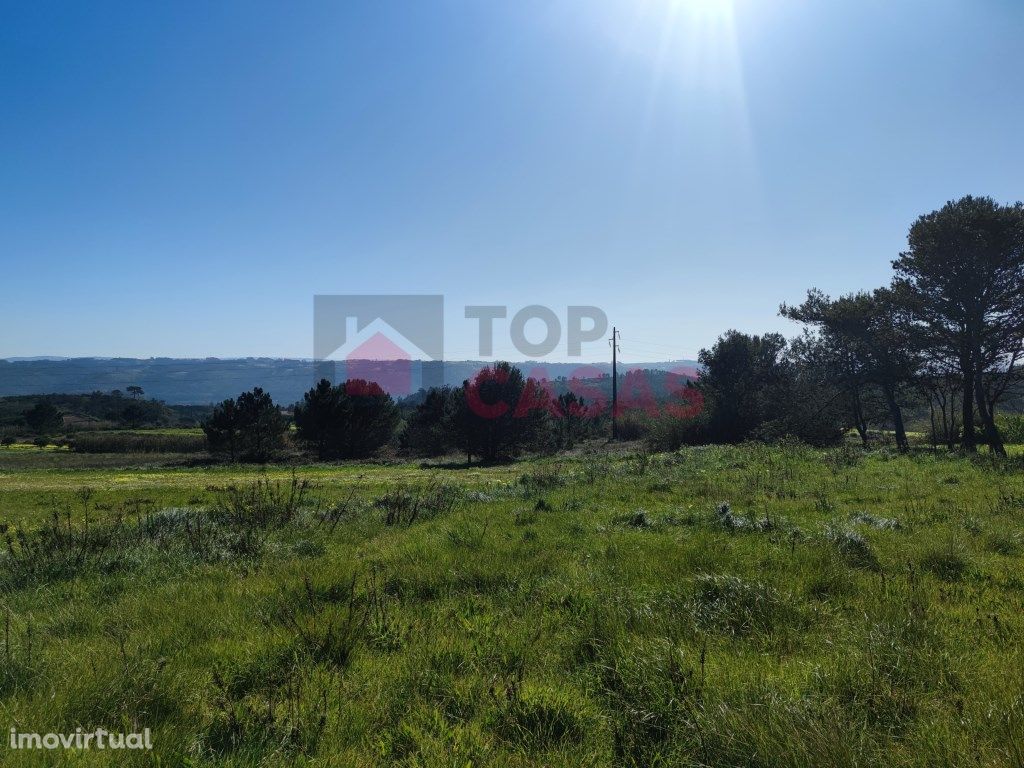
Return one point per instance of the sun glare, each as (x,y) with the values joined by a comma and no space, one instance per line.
(704,7)
(691,51)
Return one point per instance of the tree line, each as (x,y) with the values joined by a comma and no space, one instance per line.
(946,337)
(948,330)
(497,413)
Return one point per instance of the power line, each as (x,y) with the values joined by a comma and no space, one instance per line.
(614,341)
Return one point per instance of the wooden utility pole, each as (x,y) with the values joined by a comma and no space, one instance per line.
(614,341)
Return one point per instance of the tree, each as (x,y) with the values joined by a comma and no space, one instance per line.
(133,414)
(428,431)
(756,387)
(743,379)
(44,418)
(319,418)
(350,420)
(223,429)
(249,427)
(498,412)
(963,275)
(572,411)
(871,334)
(263,427)
(942,389)
(832,364)
(135,391)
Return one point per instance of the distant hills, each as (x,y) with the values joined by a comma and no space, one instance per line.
(201,381)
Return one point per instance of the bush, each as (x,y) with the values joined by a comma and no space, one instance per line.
(633,425)
(1011,426)
(669,433)
(43,418)
(758,388)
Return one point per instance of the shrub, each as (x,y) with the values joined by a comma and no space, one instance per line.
(1011,425)
(44,418)
(404,506)
(633,425)
(542,479)
(670,433)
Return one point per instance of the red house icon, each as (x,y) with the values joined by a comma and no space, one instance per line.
(379,353)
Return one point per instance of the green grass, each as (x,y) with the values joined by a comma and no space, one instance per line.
(843,609)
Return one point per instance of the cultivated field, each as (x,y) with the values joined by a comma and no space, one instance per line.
(750,606)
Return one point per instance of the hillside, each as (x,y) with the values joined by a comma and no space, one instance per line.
(186,381)
(98,410)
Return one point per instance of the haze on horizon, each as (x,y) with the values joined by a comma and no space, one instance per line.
(181,180)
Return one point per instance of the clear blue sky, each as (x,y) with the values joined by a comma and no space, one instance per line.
(179,179)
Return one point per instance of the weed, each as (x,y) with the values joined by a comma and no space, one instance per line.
(948,562)
(853,548)
(404,506)
(637,519)
(261,504)
(325,630)
(542,479)
(738,607)
(539,718)
(881,523)
(1004,543)
(730,521)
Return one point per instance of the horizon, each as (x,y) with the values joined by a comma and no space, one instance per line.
(58,359)
(685,166)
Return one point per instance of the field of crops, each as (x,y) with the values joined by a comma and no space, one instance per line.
(748,606)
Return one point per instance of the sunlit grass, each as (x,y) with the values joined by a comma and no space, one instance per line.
(850,609)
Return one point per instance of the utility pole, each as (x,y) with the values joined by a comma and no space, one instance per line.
(614,341)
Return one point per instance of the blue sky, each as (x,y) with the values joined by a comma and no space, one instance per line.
(179,179)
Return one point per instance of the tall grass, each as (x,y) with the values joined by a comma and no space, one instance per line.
(138,442)
(842,609)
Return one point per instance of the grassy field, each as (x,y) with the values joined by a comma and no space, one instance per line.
(750,606)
